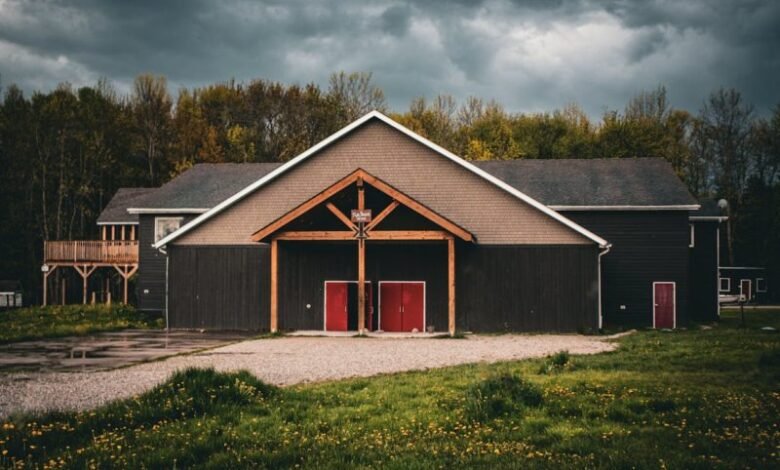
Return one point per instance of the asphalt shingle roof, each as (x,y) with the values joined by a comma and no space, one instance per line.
(116,210)
(205,185)
(594,182)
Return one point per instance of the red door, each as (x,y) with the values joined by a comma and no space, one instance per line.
(336,306)
(402,306)
(391,304)
(413,306)
(664,308)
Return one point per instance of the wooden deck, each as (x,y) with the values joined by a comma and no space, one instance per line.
(85,256)
(92,252)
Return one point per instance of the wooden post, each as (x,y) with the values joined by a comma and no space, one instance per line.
(45,281)
(113,232)
(85,273)
(84,276)
(124,278)
(108,298)
(451,284)
(92,301)
(274,286)
(104,232)
(123,232)
(361,286)
(361,265)
(64,291)
(132,232)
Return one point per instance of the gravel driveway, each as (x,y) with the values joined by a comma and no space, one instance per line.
(282,361)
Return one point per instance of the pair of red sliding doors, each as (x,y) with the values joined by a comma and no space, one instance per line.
(401,306)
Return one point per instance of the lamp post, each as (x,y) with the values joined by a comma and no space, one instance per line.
(725,206)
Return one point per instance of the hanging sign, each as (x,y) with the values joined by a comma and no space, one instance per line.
(361,216)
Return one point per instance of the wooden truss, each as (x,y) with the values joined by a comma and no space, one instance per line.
(448,232)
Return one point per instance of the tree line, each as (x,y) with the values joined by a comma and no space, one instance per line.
(65,152)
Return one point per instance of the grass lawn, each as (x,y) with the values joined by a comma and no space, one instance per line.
(68,320)
(682,399)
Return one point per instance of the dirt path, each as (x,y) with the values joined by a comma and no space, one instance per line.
(282,361)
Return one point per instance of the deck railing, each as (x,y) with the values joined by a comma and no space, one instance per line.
(92,251)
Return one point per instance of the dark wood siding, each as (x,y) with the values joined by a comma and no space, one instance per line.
(305,266)
(150,287)
(753,274)
(527,288)
(499,288)
(704,272)
(219,287)
(647,246)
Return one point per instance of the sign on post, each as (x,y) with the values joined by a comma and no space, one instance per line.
(361,216)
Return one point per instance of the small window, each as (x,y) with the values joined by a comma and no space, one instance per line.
(725,284)
(760,284)
(692,241)
(164,226)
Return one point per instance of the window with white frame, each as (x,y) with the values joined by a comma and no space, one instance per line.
(691,242)
(164,226)
(760,284)
(725,284)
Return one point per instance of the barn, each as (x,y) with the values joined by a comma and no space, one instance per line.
(379,229)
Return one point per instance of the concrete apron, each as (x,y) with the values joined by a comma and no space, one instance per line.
(104,351)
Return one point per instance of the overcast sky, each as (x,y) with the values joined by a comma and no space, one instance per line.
(532,55)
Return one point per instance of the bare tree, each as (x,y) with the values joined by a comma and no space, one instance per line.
(152,111)
(356,94)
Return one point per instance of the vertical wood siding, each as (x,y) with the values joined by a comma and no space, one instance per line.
(305,266)
(527,288)
(219,287)
(647,246)
(151,264)
(704,272)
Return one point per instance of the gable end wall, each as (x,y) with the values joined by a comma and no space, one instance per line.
(488,212)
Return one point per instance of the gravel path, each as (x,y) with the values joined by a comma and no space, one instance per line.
(282,361)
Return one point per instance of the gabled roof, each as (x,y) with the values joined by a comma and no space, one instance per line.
(346,130)
(116,210)
(201,187)
(596,184)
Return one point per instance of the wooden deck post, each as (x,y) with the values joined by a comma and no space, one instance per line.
(451,284)
(63,291)
(274,286)
(361,265)
(85,273)
(45,281)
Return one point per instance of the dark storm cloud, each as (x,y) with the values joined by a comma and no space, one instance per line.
(529,54)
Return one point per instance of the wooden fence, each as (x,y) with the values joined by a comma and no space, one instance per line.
(100,251)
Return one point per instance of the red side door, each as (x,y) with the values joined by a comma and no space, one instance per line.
(664,308)
(413,306)
(402,306)
(336,296)
(391,306)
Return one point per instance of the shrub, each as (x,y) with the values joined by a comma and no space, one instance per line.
(557,362)
(501,395)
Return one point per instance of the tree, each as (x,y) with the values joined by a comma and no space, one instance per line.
(355,94)
(151,106)
(725,132)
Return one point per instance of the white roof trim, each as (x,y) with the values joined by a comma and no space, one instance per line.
(740,267)
(627,208)
(180,210)
(713,218)
(346,130)
(117,223)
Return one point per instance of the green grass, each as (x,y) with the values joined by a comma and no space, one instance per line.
(70,320)
(683,399)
